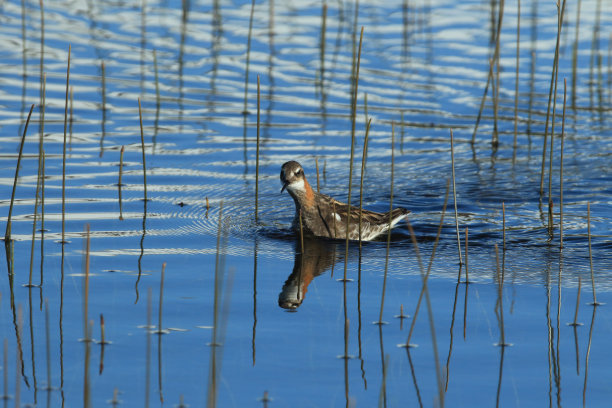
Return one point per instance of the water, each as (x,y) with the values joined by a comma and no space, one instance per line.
(423,69)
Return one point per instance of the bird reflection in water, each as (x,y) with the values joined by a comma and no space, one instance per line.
(319,255)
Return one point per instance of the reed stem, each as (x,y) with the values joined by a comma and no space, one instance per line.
(103,74)
(86,285)
(575,54)
(102,330)
(322,45)
(595,303)
(553,80)
(35,219)
(467,280)
(257,153)
(516,79)
(353,118)
(317,167)
(575,322)
(363,163)
(48,345)
(120,182)
(41,153)
(5,370)
(42,38)
(500,18)
(301,240)
(148,350)
(160,329)
(68,93)
(382,299)
(71,120)
(425,275)
(248,59)
(142,144)
(7,235)
(455,197)
(156,72)
(42,219)
(482,101)
(561,167)
(504,226)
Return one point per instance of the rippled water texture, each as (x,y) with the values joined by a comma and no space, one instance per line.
(249,314)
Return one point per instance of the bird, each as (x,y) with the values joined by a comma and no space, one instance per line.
(323,216)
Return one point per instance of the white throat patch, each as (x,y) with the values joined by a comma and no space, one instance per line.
(297,186)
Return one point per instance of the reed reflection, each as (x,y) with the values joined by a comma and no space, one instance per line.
(318,256)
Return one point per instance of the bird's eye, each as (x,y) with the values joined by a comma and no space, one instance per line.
(298,172)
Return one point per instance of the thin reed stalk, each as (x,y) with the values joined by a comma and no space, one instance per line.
(561,167)
(467,280)
(500,286)
(402,132)
(248,59)
(382,395)
(322,45)
(120,182)
(482,101)
(48,345)
(142,144)
(516,79)
(42,39)
(148,350)
(160,329)
(363,163)
(301,240)
(156,72)
(425,291)
(317,167)
(19,358)
(500,18)
(35,219)
(71,120)
(68,93)
(575,322)
(24,57)
(42,178)
(257,153)
(595,303)
(382,298)
(503,226)
(575,55)
(455,196)
(218,278)
(553,81)
(5,393)
(86,284)
(7,235)
(365,106)
(37,193)
(102,331)
(350,182)
(86,327)
(550,160)
(103,123)
(425,276)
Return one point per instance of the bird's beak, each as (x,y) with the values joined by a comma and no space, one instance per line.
(285,184)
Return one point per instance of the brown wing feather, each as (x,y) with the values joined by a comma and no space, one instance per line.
(328,207)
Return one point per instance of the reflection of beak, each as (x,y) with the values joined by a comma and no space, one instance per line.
(285,184)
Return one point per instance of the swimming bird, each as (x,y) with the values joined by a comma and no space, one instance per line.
(323,216)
